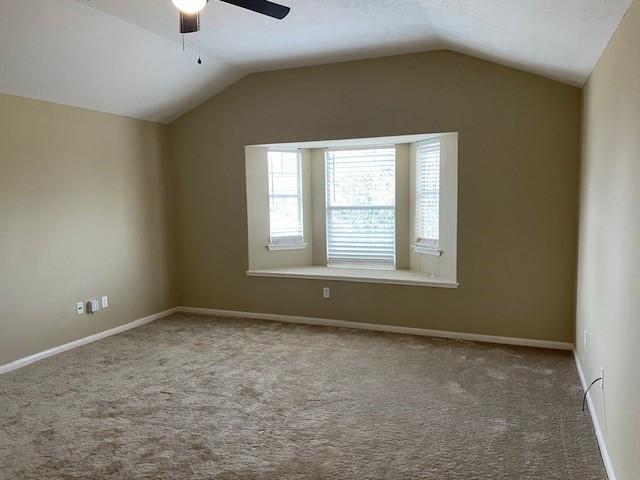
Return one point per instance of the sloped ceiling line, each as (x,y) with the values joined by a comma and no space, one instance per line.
(126,58)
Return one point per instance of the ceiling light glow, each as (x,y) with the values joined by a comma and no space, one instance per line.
(190,6)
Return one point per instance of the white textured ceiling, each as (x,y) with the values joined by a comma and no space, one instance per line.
(125,56)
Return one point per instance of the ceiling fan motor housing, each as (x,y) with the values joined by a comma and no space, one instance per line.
(189,22)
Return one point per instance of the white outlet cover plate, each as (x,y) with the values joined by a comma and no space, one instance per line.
(93,306)
(105,302)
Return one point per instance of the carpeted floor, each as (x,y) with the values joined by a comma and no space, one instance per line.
(197,398)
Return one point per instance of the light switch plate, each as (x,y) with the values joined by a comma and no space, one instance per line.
(105,302)
(80,308)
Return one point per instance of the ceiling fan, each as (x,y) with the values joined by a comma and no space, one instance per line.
(190,11)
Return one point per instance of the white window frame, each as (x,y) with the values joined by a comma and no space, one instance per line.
(292,242)
(363,264)
(427,246)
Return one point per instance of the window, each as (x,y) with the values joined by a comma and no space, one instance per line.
(360,207)
(427,210)
(285,197)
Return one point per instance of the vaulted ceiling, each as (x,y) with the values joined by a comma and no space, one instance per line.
(125,57)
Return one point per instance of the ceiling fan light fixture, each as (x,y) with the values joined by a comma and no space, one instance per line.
(190,6)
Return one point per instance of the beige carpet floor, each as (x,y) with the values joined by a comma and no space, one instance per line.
(191,397)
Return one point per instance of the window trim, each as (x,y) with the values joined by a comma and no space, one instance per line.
(276,247)
(289,242)
(427,250)
(357,275)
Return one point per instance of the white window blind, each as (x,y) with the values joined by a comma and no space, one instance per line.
(285,197)
(360,206)
(427,213)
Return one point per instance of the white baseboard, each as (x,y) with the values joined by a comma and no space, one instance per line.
(608,465)
(22,362)
(526,342)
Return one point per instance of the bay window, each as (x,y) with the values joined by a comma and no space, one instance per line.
(373,209)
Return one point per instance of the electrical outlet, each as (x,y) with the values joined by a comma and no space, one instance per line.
(105,302)
(602,377)
(585,338)
(326,292)
(80,308)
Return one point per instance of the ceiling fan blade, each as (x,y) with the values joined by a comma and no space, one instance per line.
(262,6)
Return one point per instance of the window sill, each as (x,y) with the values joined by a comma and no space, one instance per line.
(361,275)
(422,250)
(274,247)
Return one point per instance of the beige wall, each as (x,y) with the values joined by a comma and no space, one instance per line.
(403,214)
(518,179)
(83,213)
(609,266)
(318,206)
